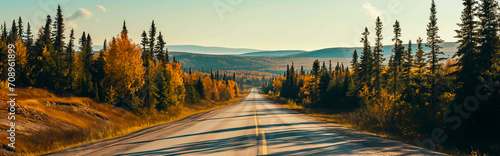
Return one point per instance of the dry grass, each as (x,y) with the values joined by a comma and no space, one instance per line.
(47,123)
(351,119)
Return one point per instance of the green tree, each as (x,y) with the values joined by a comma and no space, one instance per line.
(366,63)
(420,61)
(378,57)
(70,53)
(397,56)
(434,55)
(489,40)
(315,68)
(160,49)
(20,29)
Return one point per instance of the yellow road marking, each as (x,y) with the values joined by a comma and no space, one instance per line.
(256,125)
(264,144)
(260,122)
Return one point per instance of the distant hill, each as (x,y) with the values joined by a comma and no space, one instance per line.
(199,49)
(449,48)
(209,50)
(274,53)
(275,61)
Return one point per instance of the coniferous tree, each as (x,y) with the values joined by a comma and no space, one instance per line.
(20,29)
(4,32)
(407,65)
(420,61)
(315,68)
(434,54)
(29,37)
(365,65)
(46,34)
(378,56)
(160,46)
(13,35)
(489,39)
(71,60)
(152,39)
(58,31)
(144,44)
(124,29)
(397,59)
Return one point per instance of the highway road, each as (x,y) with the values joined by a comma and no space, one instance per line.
(254,126)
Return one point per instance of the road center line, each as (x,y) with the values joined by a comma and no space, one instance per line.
(264,144)
(256,124)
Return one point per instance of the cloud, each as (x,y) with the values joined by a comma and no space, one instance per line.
(371,12)
(81,13)
(102,8)
(71,25)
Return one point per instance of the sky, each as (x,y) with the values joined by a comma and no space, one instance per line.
(255,24)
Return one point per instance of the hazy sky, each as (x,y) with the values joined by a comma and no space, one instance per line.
(257,24)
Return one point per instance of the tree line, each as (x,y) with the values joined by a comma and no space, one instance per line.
(139,77)
(415,92)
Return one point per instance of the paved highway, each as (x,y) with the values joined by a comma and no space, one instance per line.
(254,126)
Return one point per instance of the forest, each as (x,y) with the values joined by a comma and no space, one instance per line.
(139,77)
(447,104)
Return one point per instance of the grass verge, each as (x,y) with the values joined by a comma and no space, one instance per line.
(46,123)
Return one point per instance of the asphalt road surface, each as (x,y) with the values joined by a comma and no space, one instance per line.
(254,126)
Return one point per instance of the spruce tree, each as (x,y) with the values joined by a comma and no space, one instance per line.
(489,39)
(152,38)
(20,29)
(315,68)
(58,31)
(160,46)
(397,59)
(407,64)
(434,55)
(70,53)
(13,35)
(420,61)
(4,32)
(144,44)
(366,62)
(29,37)
(378,56)
(124,29)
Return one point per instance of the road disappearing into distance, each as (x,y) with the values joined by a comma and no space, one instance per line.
(254,126)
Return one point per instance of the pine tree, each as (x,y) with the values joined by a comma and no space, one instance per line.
(347,82)
(124,29)
(152,38)
(420,61)
(70,53)
(315,68)
(365,66)
(489,39)
(378,56)
(200,88)
(4,32)
(29,37)
(46,38)
(144,44)
(434,55)
(330,68)
(58,31)
(397,56)
(160,46)
(407,65)
(324,82)
(13,32)
(20,29)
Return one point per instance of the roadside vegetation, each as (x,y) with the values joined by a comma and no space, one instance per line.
(420,97)
(70,94)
